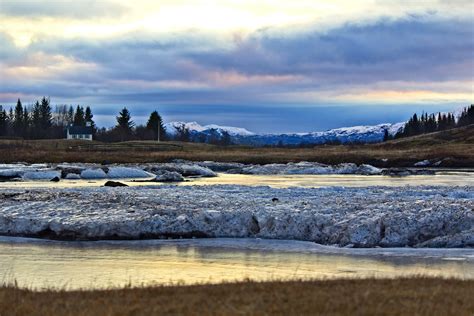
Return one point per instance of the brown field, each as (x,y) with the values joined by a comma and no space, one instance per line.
(456,146)
(414,296)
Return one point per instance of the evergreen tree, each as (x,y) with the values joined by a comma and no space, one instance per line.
(36,117)
(88,117)
(124,124)
(155,123)
(11,118)
(451,121)
(431,124)
(18,127)
(79,119)
(416,125)
(467,116)
(61,116)
(70,115)
(442,122)
(26,122)
(46,116)
(386,136)
(3,122)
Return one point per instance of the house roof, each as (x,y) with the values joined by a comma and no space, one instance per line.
(77,130)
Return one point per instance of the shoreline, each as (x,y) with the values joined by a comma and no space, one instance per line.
(453,148)
(253,244)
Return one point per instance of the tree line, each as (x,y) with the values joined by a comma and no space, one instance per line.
(126,129)
(40,121)
(37,121)
(425,123)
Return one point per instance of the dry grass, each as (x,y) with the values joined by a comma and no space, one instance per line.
(413,296)
(457,144)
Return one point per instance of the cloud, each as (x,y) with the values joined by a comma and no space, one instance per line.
(83,9)
(266,66)
(411,49)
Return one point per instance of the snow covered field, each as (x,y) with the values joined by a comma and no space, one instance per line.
(360,217)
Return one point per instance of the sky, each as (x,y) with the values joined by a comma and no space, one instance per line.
(268,66)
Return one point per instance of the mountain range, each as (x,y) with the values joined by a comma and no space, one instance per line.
(242,136)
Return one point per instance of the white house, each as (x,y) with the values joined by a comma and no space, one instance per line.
(79,132)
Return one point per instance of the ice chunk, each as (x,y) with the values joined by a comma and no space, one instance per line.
(125,172)
(93,174)
(169,176)
(41,175)
(422,163)
(72,176)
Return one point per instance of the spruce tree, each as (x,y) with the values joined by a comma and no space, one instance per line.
(79,119)
(467,116)
(18,128)
(70,115)
(26,122)
(88,117)
(124,124)
(3,122)
(11,116)
(35,120)
(442,122)
(46,116)
(155,124)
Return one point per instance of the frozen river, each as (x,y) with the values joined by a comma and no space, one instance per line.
(71,265)
(345,210)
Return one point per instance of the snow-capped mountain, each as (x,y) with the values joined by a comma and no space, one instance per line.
(194,127)
(354,134)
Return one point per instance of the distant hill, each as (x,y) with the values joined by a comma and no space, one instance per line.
(457,135)
(241,136)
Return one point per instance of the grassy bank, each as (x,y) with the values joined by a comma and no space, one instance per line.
(455,146)
(413,296)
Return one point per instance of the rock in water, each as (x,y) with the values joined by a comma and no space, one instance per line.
(115,184)
(169,176)
(55,179)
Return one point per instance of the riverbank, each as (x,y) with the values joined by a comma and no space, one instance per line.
(405,296)
(452,148)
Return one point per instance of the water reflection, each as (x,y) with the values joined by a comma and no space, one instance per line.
(280,181)
(111,264)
